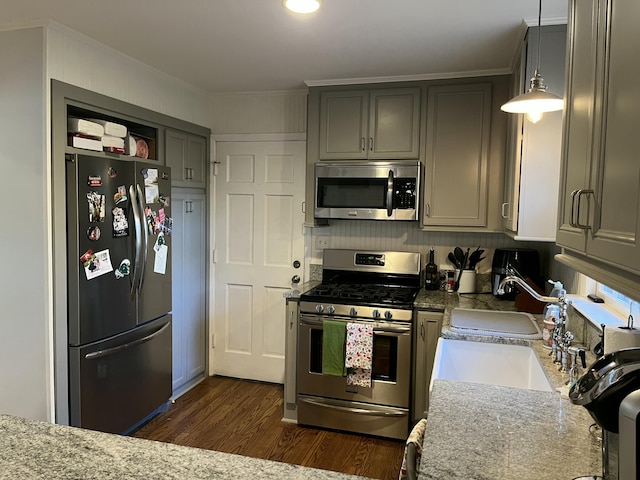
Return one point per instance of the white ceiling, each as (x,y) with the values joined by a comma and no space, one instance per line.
(256,45)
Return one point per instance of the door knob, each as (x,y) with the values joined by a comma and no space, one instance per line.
(295,279)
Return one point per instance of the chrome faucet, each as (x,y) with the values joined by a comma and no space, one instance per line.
(574,369)
(561,339)
(513,278)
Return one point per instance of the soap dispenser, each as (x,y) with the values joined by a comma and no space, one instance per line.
(551,315)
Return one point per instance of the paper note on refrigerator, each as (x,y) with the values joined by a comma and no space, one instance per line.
(97,264)
(151,185)
(160,263)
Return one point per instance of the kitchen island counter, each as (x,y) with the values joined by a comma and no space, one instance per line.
(489,432)
(40,450)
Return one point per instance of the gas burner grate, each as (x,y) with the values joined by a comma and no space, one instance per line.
(362,293)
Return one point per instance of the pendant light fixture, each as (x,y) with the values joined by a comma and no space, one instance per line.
(537,100)
(302,6)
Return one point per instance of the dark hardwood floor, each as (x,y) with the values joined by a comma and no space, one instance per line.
(244,417)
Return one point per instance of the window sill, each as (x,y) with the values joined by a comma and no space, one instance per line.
(596,313)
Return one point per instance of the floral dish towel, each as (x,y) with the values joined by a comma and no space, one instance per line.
(359,354)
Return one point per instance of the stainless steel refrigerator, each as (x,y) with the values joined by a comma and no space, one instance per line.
(119,291)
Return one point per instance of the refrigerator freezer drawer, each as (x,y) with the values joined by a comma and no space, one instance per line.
(120,381)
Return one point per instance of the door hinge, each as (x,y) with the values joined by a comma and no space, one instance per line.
(304,207)
(213,341)
(214,256)
(214,170)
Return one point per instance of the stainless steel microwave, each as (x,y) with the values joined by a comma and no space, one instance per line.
(386,190)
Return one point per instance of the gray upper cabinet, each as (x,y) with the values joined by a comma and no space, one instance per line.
(370,124)
(600,196)
(457,155)
(533,156)
(186,154)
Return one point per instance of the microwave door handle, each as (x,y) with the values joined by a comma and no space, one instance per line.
(390,193)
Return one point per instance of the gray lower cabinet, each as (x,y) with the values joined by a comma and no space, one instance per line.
(370,124)
(186,155)
(189,287)
(457,155)
(600,187)
(427,328)
(290,360)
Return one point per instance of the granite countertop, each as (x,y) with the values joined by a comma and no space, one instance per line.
(295,293)
(488,432)
(39,450)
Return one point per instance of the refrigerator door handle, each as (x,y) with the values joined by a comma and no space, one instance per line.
(145,237)
(119,348)
(138,227)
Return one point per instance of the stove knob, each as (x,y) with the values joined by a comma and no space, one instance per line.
(331,309)
(353,312)
(376,313)
(388,314)
(319,308)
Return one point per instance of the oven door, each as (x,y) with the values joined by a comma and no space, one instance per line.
(391,365)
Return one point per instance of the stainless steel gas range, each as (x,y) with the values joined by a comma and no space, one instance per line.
(367,288)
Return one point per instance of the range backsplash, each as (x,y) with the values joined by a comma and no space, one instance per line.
(405,236)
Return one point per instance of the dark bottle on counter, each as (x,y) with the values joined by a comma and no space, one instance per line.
(431,274)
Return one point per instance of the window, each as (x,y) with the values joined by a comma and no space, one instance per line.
(614,299)
(618,305)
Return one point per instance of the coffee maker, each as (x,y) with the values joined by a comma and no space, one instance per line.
(524,262)
(610,391)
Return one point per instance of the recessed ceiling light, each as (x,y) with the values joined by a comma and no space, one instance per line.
(302,6)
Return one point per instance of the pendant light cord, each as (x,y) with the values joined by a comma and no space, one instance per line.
(539,34)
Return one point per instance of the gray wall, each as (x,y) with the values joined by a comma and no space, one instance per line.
(30,57)
(269,112)
(25,328)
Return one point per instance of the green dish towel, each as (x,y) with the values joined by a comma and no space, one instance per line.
(333,339)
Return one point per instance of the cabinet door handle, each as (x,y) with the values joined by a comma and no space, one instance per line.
(579,195)
(291,320)
(427,210)
(362,145)
(572,222)
(422,333)
(371,144)
(502,211)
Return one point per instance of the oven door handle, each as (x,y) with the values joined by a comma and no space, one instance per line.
(360,411)
(382,329)
(392,330)
(311,321)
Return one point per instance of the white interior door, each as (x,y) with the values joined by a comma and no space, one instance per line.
(259,192)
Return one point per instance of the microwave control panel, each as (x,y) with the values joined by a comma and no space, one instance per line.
(404,193)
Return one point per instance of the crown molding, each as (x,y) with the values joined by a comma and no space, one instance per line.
(406,78)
